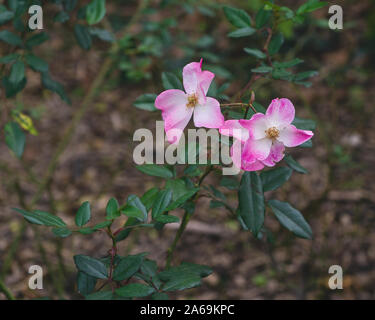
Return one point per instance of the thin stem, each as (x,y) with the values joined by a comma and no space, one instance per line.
(185,221)
(4,289)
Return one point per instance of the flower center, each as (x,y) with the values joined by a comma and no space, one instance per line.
(272,133)
(192,101)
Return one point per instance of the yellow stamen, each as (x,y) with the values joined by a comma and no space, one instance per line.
(192,101)
(272,133)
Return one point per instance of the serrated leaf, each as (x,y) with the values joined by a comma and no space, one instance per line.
(15,138)
(41,218)
(291,218)
(184,281)
(262,69)
(156,170)
(9,58)
(127,267)
(146,102)
(251,201)
(237,17)
(6,16)
(275,178)
(171,81)
(160,296)
(167,218)
(91,266)
(311,5)
(103,34)
(36,39)
(135,290)
(83,214)
(304,124)
(288,64)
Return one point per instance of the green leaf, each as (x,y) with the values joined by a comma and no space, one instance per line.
(161,202)
(134,201)
(12,89)
(36,39)
(229,183)
(36,63)
(149,197)
(85,283)
(93,267)
(61,17)
(6,16)
(275,178)
(262,17)
(156,170)
(251,201)
(17,72)
(83,214)
(291,218)
(133,212)
(262,69)
(159,296)
(103,34)
(135,290)
(112,209)
(15,138)
(102,225)
(69,5)
(304,124)
(256,53)
(288,64)
(243,32)
(41,218)
(9,58)
(10,38)
(182,199)
(83,36)
(95,11)
(166,218)
(237,17)
(54,86)
(100,295)
(275,44)
(294,164)
(171,81)
(305,75)
(311,5)
(184,281)
(146,102)
(127,267)
(61,232)
(86,230)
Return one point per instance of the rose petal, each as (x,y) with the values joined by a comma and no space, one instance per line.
(174,134)
(257,149)
(240,162)
(280,113)
(276,154)
(292,137)
(257,126)
(233,128)
(193,76)
(208,115)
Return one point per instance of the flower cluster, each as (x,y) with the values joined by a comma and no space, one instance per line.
(258,142)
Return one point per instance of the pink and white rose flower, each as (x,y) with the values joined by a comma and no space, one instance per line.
(178,106)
